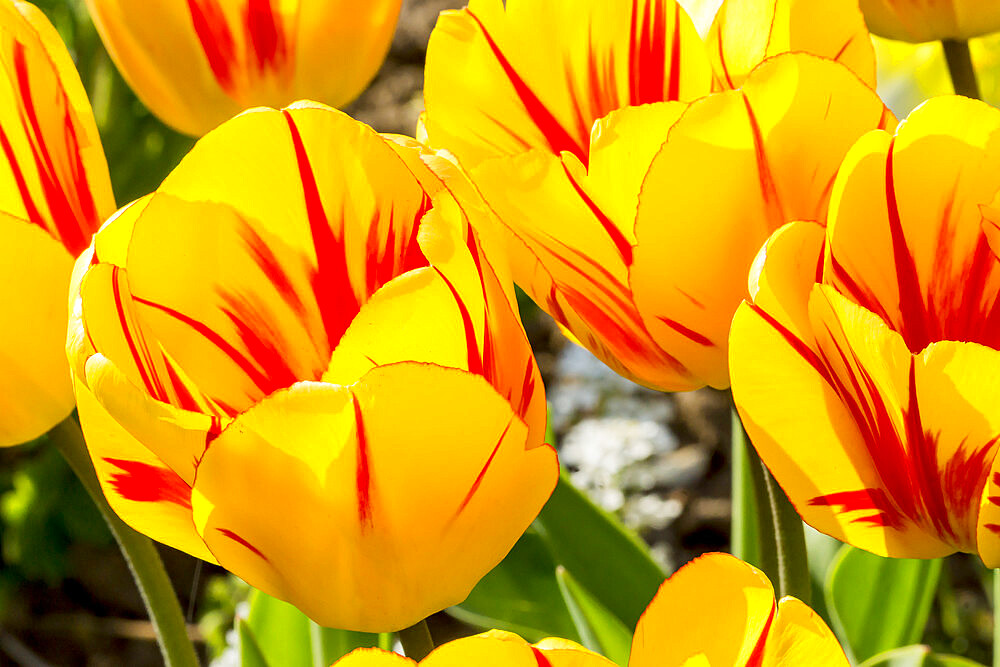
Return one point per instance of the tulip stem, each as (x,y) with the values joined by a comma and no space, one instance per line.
(789,543)
(748,529)
(416,641)
(963,74)
(143,560)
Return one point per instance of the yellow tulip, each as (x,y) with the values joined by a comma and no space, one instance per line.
(281,369)
(931,20)
(195,63)
(54,193)
(865,363)
(590,145)
(716,611)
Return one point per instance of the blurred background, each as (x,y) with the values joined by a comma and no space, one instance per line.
(659,462)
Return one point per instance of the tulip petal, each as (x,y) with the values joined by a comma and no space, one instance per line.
(374,657)
(693,244)
(54,174)
(734,605)
(503,649)
(365,480)
(833,29)
(35,392)
(144,492)
(913,21)
(799,636)
(905,240)
(529,90)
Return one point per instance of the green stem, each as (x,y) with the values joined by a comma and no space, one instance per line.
(996,618)
(749,532)
(140,554)
(963,74)
(790,543)
(416,641)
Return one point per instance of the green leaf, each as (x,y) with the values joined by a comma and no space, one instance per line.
(521,595)
(592,544)
(877,604)
(250,653)
(917,656)
(600,629)
(822,550)
(285,636)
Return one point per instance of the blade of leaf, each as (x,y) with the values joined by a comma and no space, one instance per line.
(591,544)
(250,653)
(917,656)
(611,638)
(877,604)
(521,595)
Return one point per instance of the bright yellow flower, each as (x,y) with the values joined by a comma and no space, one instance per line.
(490,649)
(616,234)
(54,193)
(931,20)
(278,367)
(716,611)
(867,363)
(195,63)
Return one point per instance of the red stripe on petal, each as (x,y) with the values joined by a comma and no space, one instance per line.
(216,41)
(859,500)
(266,34)
(482,473)
(540,657)
(691,334)
(242,541)
(362,477)
(610,228)
(471,343)
(557,136)
(145,483)
(756,658)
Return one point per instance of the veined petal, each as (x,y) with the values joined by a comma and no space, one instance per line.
(531,90)
(746,32)
(144,492)
(693,245)
(799,636)
(35,391)
(53,173)
(399,501)
(716,610)
(904,237)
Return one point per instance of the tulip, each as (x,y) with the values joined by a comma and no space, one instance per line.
(640,254)
(865,363)
(281,369)
(490,648)
(627,241)
(928,21)
(716,610)
(195,63)
(54,192)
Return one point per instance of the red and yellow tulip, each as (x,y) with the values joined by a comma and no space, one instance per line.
(716,611)
(931,20)
(280,368)
(54,193)
(865,365)
(629,214)
(195,63)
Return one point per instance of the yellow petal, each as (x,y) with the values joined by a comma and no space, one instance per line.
(917,257)
(799,636)
(917,21)
(503,649)
(144,492)
(746,32)
(398,501)
(731,172)
(373,657)
(500,82)
(53,170)
(34,377)
(195,64)
(713,611)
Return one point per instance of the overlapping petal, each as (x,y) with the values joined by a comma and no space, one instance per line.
(873,342)
(276,341)
(54,192)
(931,20)
(196,63)
(718,610)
